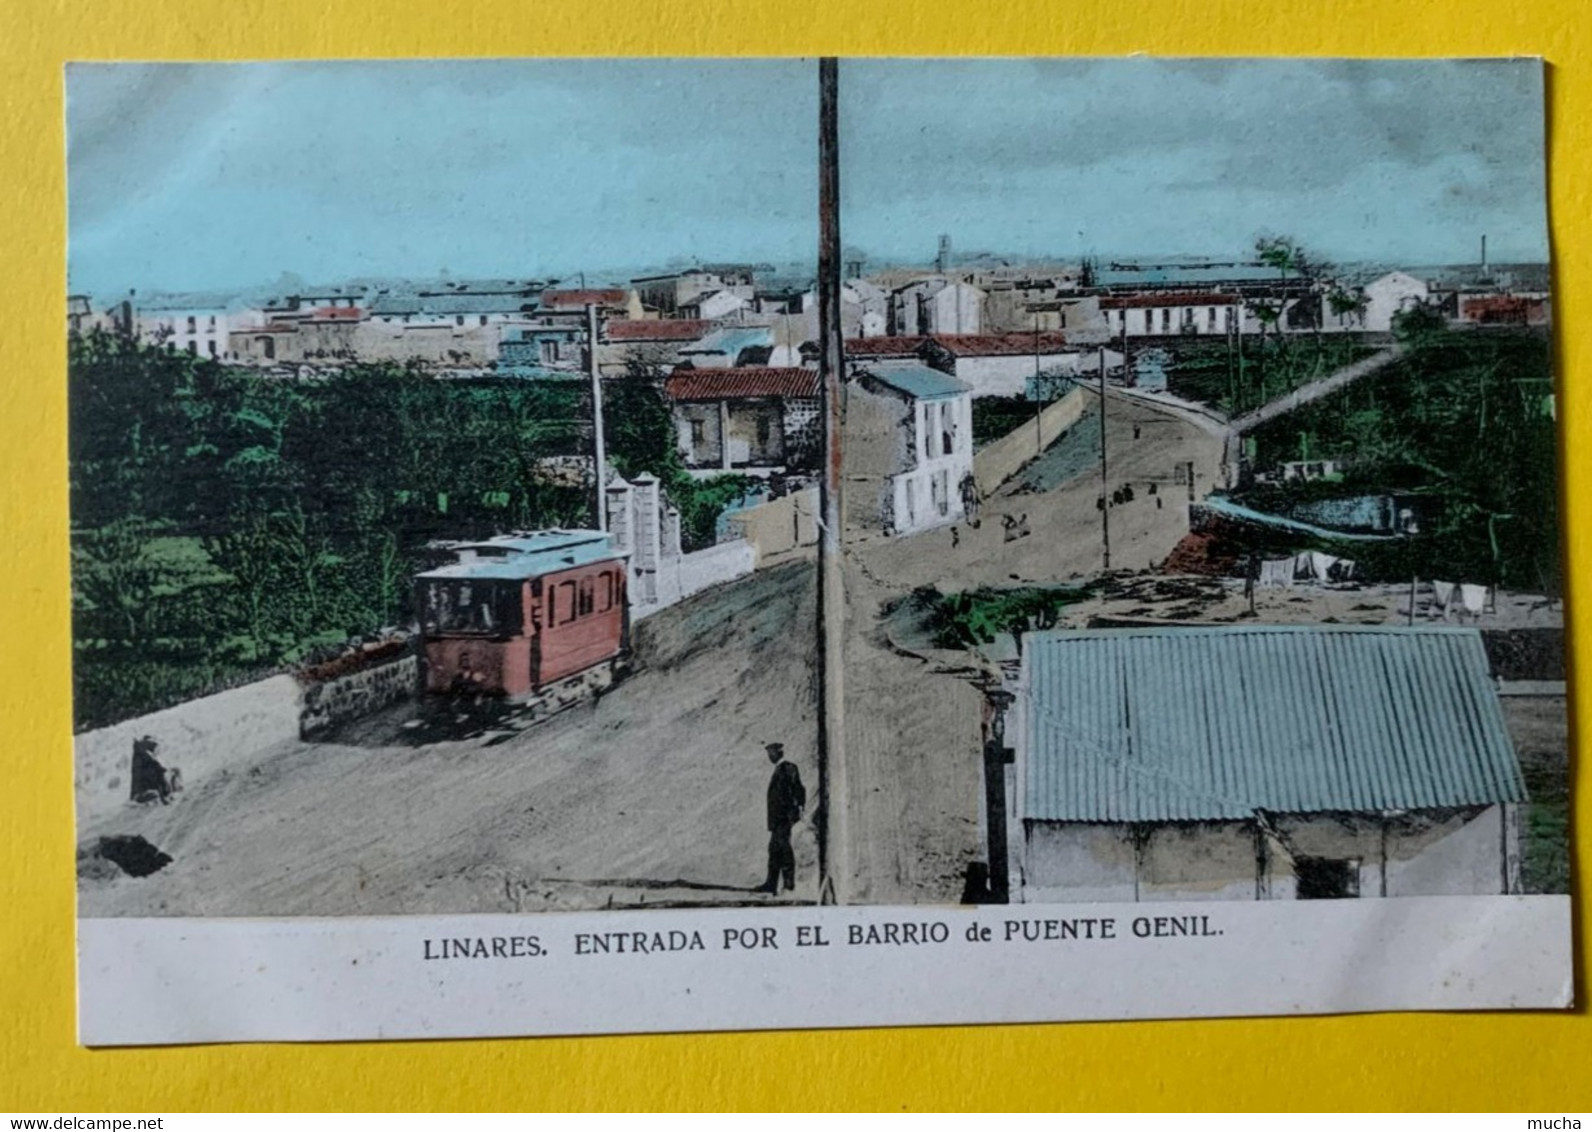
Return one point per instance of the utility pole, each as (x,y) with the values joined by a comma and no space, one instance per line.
(1105,499)
(834,876)
(599,455)
(1039,401)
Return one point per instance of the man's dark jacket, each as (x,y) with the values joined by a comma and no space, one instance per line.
(786,797)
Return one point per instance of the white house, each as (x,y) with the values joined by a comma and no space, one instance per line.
(1140,316)
(715,305)
(196,325)
(1006,365)
(909,447)
(1263,762)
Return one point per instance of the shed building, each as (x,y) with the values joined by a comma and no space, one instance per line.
(1261,763)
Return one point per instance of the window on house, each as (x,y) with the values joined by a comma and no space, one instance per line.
(212,322)
(193,347)
(1210,318)
(1166,320)
(213,351)
(483,320)
(192,323)
(699,433)
(762,430)
(547,350)
(458,320)
(1325,878)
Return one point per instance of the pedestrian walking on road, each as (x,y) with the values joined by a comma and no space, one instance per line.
(786,798)
(970,500)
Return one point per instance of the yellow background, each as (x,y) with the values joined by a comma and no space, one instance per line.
(1534,1062)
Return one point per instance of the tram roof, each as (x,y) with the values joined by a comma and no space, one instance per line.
(525,555)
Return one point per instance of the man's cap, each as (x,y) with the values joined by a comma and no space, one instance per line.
(779,747)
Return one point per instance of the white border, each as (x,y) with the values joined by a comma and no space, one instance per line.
(168,981)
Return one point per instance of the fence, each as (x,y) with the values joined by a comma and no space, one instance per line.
(780,525)
(205,736)
(999,461)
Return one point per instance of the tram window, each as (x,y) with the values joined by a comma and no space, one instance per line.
(588,592)
(568,602)
(608,593)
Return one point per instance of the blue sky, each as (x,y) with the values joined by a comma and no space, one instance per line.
(189,176)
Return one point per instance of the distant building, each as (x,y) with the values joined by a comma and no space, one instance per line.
(1390,295)
(668,293)
(651,342)
(1502,309)
(611,302)
(909,446)
(936,306)
(1258,763)
(884,348)
(1170,313)
(715,305)
(755,420)
(79,314)
(730,346)
(196,324)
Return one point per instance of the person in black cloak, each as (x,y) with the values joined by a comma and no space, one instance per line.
(152,781)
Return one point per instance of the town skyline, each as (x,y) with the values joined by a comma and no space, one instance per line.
(535,163)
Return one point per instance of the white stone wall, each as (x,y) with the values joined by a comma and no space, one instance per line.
(199,737)
(1442,853)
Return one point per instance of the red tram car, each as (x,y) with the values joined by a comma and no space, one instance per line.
(537,617)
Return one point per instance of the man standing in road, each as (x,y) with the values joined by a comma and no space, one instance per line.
(786,797)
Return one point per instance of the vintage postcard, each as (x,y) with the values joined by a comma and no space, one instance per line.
(631,545)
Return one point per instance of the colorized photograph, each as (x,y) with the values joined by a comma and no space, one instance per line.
(528,486)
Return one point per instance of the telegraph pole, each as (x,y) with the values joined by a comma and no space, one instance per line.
(1039,400)
(834,875)
(599,455)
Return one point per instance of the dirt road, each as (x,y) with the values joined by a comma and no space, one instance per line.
(912,728)
(653,795)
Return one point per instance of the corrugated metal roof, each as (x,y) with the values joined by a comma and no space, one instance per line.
(748,381)
(1206,724)
(1215,504)
(917,381)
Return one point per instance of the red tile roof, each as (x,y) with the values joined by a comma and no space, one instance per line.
(574,300)
(883,347)
(746,381)
(657,329)
(1172,299)
(1002,345)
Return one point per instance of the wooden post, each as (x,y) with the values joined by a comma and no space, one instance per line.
(1105,483)
(833,853)
(599,455)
